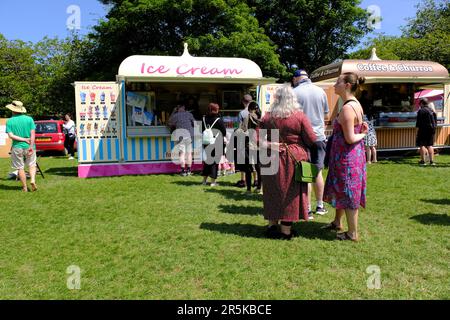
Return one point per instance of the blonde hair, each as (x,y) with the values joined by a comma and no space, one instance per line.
(285,103)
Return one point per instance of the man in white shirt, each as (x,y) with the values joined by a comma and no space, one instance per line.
(313,101)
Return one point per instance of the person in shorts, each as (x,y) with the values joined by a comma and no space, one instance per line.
(314,103)
(426,124)
(182,119)
(21,130)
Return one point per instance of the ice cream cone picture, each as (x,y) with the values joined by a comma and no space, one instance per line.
(112,96)
(102,129)
(82,116)
(92,97)
(95,129)
(114,130)
(83,97)
(82,129)
(97,113)
(102,98)
(105,112)
(113,112)
(90,112)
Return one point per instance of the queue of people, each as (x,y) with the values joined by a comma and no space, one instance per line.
(294,130)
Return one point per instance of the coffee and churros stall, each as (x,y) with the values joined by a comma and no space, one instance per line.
(122,125)
(389,96)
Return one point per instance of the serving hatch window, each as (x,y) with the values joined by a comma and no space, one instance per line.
(151,104)
(140,109)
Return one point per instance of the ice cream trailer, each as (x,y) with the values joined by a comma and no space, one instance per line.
(122,125)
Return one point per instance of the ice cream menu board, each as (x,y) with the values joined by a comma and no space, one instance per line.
(97,119)
(266,96)
(96,111)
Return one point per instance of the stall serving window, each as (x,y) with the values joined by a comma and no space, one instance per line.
(149,105)
(388,97)
(389,104)
(141,109)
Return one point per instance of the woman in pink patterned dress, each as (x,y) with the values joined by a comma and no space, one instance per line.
(285,200)
(345,187)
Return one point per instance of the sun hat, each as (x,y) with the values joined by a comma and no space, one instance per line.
(17,106)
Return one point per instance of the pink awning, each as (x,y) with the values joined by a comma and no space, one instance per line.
(428,93)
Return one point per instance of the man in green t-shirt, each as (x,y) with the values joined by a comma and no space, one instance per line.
(21,129)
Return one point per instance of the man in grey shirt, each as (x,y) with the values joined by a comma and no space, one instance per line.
(243,114)
(182,119)
(313,101)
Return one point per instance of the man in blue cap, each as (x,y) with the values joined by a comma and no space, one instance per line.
(297,77)
(313,101)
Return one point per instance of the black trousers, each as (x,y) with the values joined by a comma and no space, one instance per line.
(69,142)
(249,168)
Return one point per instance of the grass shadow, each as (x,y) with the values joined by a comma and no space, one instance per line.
(245,210)
(63,171)
(411,161)
(306,230)
(198,182)
(15,188)
(243,230)
(313,231)
(445,202)
(236,194)
(433,219)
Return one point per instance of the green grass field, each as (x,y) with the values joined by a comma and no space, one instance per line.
(168,237)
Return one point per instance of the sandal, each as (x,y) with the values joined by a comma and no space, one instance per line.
(33,187)
(345,236)
(331,226)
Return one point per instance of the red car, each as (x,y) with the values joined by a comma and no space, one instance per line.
(50,136)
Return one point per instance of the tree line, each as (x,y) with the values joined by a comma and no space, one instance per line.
(279,36)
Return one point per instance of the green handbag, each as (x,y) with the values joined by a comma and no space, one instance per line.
(306,172)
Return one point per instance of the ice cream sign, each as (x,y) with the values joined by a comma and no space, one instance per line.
(189,67)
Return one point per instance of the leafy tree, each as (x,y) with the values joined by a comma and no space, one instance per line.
(425,37)
(311,33)
(60,63)
(386,48)
(19,76)
(432,16)
(159,27)
(40,75)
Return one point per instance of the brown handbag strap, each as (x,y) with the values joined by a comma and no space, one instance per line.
(282,141)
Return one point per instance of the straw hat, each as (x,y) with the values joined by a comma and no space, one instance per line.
(16,106)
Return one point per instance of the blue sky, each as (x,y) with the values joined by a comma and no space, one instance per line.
(31,20)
